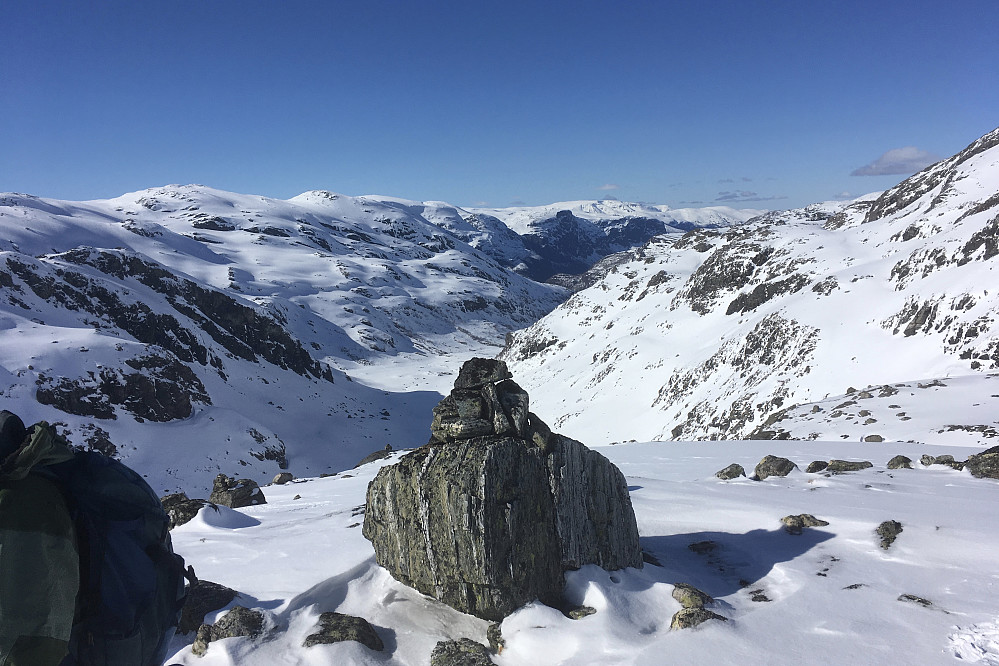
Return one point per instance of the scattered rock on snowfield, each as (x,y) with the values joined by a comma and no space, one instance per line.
(773,466)
(337,627)
(579,612)
(465,652)
(685,618)
(888,530)
(180,509)
(731,472)
(489,514)
(985,464)
(841,466)
(690,597)
(202,598)
(283,478)
(900,462)
(816,466)
(913,599)
(795,524)
(236,493)
(240,621)
(945,459)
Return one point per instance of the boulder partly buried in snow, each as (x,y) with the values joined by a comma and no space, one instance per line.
(181,509)
(203,597)
(489,514)
(337,627)
(773,466)
(733,471)
(465,652)
(236,493)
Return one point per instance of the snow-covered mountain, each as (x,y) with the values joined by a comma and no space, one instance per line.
(568,238)
(717,334)
(221,326)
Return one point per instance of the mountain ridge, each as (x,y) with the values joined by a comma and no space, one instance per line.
(709,335)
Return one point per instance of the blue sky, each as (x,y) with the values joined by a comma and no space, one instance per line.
(754,104)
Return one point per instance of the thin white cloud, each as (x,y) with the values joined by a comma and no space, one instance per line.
(898,161)
(608,187)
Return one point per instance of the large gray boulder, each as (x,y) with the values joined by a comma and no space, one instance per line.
(236,493)
(773,466)
(489,514)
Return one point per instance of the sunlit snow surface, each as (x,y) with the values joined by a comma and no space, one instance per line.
(832,593)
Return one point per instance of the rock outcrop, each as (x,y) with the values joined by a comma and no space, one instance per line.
(180,508)
(733,471)
(489,514)
(900,462)
(773,466)
(465,652)
(985,464)
(202,598)
(888,531)
(236,493)
(240,621)
(337,627)
(795,524)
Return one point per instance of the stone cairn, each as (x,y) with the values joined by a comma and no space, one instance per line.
(495,508)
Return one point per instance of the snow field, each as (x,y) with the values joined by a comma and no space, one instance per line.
(829,595)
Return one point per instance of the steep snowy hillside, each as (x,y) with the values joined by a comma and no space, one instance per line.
(219,326)
(570,237)
(719,333)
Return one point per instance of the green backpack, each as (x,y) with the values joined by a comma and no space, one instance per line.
(131,582)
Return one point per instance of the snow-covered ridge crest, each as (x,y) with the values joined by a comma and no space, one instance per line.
(710,335)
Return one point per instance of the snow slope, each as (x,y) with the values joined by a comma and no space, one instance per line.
(829,595)
(713,334)
(227,328)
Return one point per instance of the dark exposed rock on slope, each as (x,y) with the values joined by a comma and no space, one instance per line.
(490,513)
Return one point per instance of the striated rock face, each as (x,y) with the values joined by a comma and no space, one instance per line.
(490,513)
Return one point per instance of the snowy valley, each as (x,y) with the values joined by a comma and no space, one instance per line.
(191,332)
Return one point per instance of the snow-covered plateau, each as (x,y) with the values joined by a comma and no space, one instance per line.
(190,332)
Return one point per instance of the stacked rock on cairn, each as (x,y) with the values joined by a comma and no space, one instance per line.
(495,508)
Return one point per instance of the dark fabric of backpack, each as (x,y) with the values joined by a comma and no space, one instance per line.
(131,582)
(12,433)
